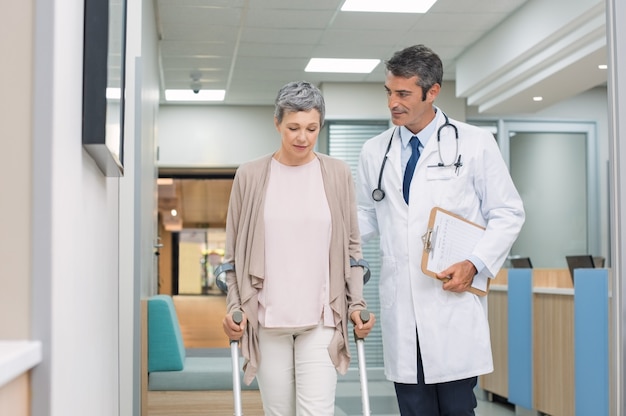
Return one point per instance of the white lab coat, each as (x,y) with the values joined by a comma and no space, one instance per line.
(452,327)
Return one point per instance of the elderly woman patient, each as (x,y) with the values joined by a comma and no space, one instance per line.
(291,230)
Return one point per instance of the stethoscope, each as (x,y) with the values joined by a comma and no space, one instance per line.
(378,194)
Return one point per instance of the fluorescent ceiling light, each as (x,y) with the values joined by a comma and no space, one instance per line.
(189,95)
(353,66)
(387,6)
(602,66)
(537,98)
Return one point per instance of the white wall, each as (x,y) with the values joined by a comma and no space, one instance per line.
(137,222)
(16,18)
(83,241)
(355,101)
(214,136)
(549,172)
(363,101)
(210,136)
(82,289)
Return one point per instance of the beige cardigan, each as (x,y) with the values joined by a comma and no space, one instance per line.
(244,249)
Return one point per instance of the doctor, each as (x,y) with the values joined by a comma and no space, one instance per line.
(435,333)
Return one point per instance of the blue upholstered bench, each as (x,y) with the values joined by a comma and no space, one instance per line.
(170,367)
(179,382)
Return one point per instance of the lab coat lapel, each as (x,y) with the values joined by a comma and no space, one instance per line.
(393,178)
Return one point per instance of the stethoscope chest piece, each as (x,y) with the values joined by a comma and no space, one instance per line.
(378,194)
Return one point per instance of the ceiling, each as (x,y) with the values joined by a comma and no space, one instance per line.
(251,48)
(199,203)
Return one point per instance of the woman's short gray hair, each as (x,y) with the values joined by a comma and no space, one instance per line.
(299,96)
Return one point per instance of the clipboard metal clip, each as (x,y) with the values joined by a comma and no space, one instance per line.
(426,239)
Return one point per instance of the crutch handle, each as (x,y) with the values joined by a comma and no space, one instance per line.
(237,317)
(234,352)
(365,317)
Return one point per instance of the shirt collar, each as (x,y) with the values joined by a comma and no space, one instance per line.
(424,135)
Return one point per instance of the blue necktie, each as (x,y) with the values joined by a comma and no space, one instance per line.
(410,167)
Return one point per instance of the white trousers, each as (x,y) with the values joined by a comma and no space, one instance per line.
(296,376)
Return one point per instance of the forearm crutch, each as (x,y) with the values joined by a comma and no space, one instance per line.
(360,351)
(234,353)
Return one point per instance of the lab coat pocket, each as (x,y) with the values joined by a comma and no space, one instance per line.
(447,188)
(434,172)
(387,285)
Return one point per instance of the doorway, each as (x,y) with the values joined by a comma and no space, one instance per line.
(192,230)
(553,166)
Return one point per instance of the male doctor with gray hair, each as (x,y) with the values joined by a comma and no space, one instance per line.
(435,332)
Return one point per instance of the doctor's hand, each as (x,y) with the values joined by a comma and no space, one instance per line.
(458,277)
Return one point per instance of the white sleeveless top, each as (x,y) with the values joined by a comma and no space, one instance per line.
(297,239)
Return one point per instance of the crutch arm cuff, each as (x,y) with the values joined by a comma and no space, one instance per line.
(365,265)
(220,275)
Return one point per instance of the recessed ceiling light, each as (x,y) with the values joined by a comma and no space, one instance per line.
(174,213)
(388,6)
(353,66)
(538,98)
(602,66)
(165,181)
(189,95)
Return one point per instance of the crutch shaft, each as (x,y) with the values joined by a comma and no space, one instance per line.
(365,401)
(360,352)
(234,353)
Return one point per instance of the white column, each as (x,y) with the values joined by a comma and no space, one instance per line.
(616,37)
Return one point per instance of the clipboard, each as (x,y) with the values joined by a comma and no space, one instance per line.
(450,239)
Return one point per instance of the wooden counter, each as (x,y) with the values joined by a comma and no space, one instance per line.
(553,340)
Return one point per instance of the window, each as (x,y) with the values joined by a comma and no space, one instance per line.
(345,139)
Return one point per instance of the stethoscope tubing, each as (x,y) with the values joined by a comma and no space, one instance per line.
(378,194)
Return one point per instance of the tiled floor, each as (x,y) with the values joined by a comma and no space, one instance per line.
(382,398)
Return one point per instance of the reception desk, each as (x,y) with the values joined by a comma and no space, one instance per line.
(550,342)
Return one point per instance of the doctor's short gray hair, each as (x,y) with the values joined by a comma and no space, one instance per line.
(299,96)
(420,61)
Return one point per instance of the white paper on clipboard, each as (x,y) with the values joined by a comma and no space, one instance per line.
(450,239)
